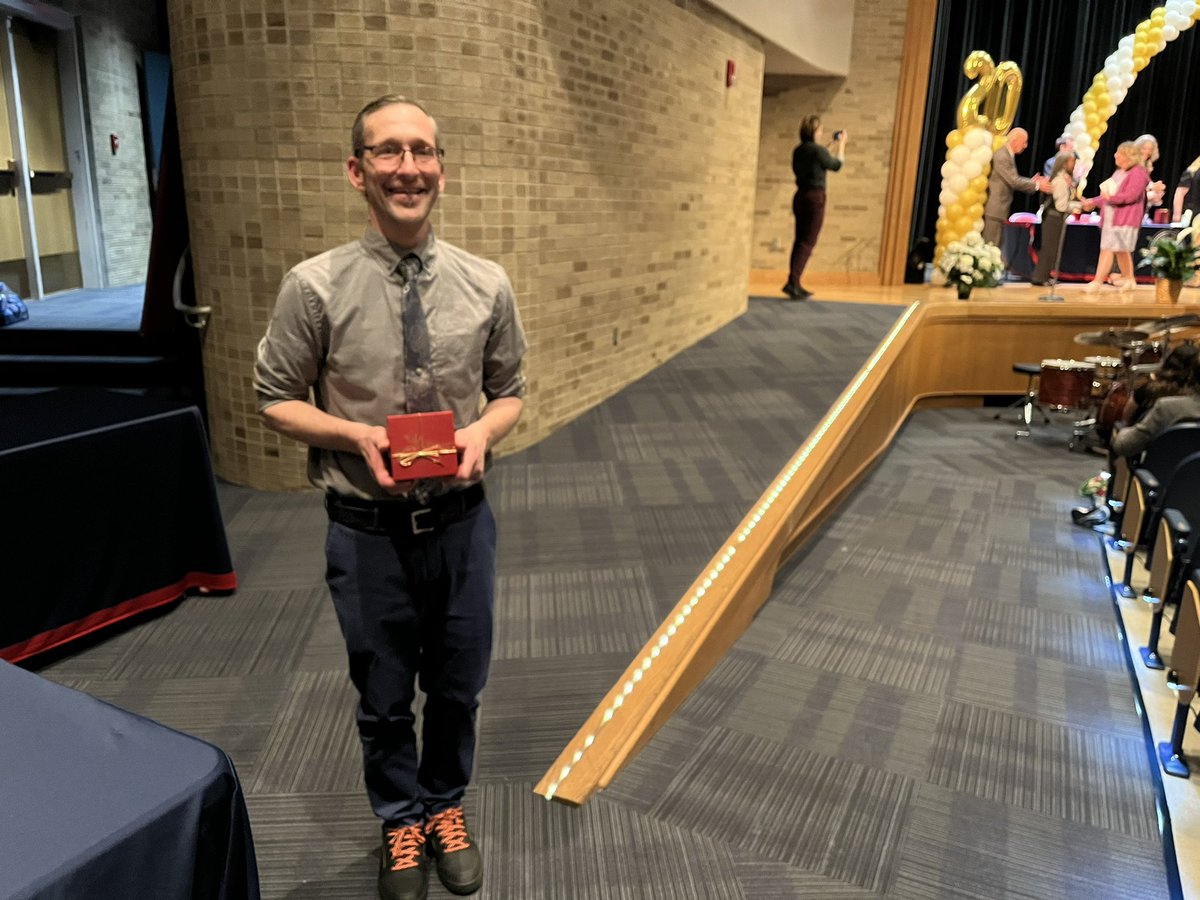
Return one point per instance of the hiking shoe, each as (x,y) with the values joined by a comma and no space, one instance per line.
(459,865)
(402,864)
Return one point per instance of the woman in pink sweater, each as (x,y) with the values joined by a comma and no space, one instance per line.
(1121,203)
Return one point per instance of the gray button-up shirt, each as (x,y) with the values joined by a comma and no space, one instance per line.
(337,329)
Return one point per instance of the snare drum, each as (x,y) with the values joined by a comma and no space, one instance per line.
(1106,367)
(1107,370)
(1065,384)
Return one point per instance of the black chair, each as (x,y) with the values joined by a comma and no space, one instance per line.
(1142,497)
(1184,677)
(1173,553)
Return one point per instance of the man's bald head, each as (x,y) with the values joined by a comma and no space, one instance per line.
(1018,140)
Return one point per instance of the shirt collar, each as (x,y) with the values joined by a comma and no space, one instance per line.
(389,255)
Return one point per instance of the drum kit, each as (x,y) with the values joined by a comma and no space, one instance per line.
(1100,386)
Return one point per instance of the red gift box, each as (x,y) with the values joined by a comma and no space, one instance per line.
(422,445)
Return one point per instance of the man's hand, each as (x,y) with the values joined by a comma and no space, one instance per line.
(1043,183)
(372,444)
(472,443)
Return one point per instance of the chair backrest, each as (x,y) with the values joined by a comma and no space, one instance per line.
(1182,490)
(1167,450)
(1185,657)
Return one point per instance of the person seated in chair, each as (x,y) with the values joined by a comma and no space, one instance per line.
(1171,379)
(1163,411)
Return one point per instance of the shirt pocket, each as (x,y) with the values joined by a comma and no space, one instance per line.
(458,362)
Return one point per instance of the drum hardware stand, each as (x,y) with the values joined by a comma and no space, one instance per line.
(1054,296)
(1028,402)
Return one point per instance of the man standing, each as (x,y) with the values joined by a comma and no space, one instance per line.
(399,321)
(1002,181)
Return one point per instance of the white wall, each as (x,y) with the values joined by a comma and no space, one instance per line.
(804,37)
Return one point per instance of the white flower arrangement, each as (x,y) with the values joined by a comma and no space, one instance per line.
(971,262)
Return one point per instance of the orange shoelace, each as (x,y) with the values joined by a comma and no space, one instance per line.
(450,829)
(405,847)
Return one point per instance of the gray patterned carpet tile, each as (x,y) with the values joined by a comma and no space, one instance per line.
(961,847)
(601,851)
(1044,767)
(532,707)
(769,880)
(562,538)
(668,482)
(247,633)
(1067,636)
(658,441)
(315,846)
(839,716)
(1045,688)
(930,609)
(684,534)
(883,655)
(931,704)
(572,613)
(822,814)
(313,747)
(570,486)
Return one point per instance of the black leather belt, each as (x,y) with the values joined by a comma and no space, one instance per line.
(406,517)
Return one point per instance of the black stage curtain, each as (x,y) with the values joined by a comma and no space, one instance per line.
(1059,45)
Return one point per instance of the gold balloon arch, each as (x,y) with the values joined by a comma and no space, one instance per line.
(1109,86)
(986,113)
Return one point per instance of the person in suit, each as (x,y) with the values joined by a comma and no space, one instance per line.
(1003,181)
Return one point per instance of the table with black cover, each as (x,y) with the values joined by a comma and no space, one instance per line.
(1081,249)
(102,804)
(108,508)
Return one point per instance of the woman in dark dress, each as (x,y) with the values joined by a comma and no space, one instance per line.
(810,162)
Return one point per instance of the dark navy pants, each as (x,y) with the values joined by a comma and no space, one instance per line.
(416,609)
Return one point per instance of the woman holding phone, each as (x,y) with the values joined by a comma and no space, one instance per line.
(810,162)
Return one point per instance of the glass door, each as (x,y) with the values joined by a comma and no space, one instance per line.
(39,251)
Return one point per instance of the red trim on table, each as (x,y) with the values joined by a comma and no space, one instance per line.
(63,634)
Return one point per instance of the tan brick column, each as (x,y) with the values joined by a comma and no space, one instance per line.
(592,148)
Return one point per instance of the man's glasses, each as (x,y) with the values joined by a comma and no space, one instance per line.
(424,157)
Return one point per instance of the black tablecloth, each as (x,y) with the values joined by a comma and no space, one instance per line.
(108,507)
(1081,250)
(99,803)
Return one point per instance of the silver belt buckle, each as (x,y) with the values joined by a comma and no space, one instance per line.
(416,526)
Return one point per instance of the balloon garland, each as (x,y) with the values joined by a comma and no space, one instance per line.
(1089,121)
(985,114)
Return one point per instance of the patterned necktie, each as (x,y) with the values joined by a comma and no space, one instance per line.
(419,392)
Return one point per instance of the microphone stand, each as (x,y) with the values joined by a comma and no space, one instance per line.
(1053,296)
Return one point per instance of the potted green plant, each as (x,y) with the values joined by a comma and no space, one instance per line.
(970,262)
(1172,259)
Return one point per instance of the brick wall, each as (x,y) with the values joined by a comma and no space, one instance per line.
(592,148)
(114,35)
(864,104)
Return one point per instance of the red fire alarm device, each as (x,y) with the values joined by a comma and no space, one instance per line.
(730,72)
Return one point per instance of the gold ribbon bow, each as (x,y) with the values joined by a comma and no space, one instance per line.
(407,457)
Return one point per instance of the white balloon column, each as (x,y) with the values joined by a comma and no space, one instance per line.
(985,114)
(1089,121)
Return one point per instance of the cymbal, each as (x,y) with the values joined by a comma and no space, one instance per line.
(1167,324)
(1110,338)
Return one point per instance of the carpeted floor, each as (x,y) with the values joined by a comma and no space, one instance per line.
(934,702)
